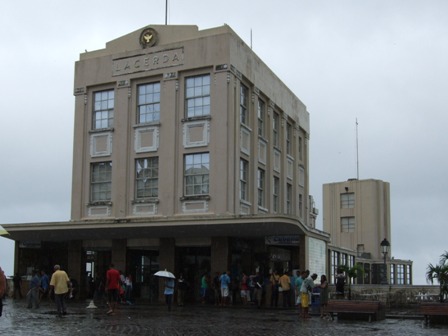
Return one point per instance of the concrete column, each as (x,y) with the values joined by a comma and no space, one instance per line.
(167,253)
(74,267)
(119,254)
(219,254)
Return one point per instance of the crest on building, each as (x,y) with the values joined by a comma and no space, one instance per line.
(148,38)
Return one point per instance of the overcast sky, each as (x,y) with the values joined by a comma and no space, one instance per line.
(382,62)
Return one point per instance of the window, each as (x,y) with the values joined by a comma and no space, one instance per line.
(148,103)
(348,224)
(400,274)
(197,170)
(288,139)
(261,115)
(147,178)
(288,199)
(101,182)
(348,200)
(300,148)
(300,205)
(244,114)
(276,129)
(408,275)
(197,95)
(244,179)
(260,182)
(392,275)
(276,194)
(103,109)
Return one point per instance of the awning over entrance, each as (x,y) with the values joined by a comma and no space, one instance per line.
(241,226)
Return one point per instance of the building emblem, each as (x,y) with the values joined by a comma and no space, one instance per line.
(148,38)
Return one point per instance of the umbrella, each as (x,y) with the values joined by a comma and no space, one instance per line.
(3,231)
(165,274)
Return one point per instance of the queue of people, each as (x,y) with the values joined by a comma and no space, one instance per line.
(223,289)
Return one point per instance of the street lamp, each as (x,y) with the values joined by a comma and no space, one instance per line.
(385,245)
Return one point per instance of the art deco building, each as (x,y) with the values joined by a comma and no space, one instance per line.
(357,216)
(190,154)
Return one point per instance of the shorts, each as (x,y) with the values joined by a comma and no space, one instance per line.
(305,300)
(224,292)
(245,293)
(112,295)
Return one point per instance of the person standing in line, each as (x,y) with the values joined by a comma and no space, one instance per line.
(169,292)
(112,287)
(307,288)
(60,285)
(32,296)
(244,289)
(128,291)
(323,296)
(274,288)
(17,281)
(2,289)
(225,283)
(285,283)
(204,287)
(297,286)
(217,289)
(340,284)
(258,288)
(44,285)
(181,290)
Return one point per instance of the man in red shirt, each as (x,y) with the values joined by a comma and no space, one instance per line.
(112,286)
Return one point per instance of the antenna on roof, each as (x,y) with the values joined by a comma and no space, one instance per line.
(166,12)
(357,152)
(251,38)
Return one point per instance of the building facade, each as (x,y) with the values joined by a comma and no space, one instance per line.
(190,155)
(356,214)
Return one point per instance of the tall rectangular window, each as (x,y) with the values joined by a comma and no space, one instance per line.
(300,206)
(148,109)
(276,195)
(147,178)
(288,139)
(244,113)
(103,109)
(348,200)
(300,148)
(197,170)
(408,275)
(244,180)
(261,117)
(101,182)
(348,224)
(261,187)
(288,199)
(276,129)
(400,274)
(392,274)
(197,96)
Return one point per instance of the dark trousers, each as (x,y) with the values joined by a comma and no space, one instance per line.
(169,301)
(59,299)
(1,306)
(286,298)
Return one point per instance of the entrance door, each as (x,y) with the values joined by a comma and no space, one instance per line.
(142,264)
(193,263)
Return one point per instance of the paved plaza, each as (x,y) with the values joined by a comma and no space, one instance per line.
(192,320)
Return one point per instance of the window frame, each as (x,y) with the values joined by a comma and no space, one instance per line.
(101,182)
(104,115)
(150,164)
(261,182)
(203,175)
(154,103)
(244,180)
(347,200)
(348,224)
(244,105)
(201,95)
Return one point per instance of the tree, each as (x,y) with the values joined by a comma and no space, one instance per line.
(440,273)
(351,273)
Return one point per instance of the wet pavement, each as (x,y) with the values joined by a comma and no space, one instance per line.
(197,319)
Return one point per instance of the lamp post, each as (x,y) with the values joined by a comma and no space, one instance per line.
(385,245)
